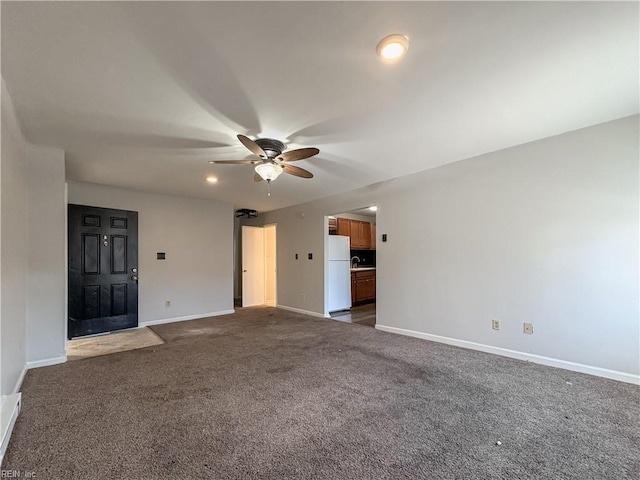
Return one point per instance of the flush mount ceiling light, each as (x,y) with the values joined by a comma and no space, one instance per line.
(392,47)
(212,179)
(373,208)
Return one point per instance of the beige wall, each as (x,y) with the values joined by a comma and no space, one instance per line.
(32,253)
(13,248)
(47,246)
(197,237)
(545,232)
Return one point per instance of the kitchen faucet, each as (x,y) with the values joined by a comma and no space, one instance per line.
(356,262)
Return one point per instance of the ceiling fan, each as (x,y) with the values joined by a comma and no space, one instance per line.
(272,160)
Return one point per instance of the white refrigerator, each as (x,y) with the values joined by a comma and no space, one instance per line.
(339,273)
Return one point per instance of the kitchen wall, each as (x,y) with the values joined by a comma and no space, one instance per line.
(197,237)
(355,216)
(367,257)
(545,232)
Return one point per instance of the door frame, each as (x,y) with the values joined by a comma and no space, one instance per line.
(271,281)
(132,229)
(326,256)
(254,263)
(268,281)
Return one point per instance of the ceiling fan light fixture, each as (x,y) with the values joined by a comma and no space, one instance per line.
(392,47)
(268,171)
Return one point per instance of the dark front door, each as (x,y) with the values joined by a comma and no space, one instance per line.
(103,270)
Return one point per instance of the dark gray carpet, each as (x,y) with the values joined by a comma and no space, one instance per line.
(270,394)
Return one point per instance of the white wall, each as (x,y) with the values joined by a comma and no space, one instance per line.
(46,292)
(13,248)
(32,258)
(545,232)
(196,235)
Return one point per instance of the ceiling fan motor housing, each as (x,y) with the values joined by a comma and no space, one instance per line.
(271,147)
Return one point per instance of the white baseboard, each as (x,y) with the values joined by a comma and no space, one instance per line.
(46,362)
(38,363)
(18,384)
(9,410)
(529,357)
(185,318)
(299,310)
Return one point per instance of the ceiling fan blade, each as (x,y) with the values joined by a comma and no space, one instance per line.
(297,171)
(252,146)
(299,154)
(257,178)
(235,162)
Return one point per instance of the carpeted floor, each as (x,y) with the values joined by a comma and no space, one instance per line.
(266,393)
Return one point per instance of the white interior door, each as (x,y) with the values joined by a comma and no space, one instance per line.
(253,286)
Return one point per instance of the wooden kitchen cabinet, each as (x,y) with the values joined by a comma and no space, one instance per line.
(356,234)
(344,227)
(373,236)
(366,235)
(333,226)
(363,286)
(361,234)
(354,289)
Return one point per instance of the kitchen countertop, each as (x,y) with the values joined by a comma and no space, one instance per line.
(362,269)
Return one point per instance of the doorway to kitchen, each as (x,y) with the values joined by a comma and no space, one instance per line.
(350,266)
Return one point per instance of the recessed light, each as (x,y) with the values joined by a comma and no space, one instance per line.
(393,46)
(212,179)
(373,208)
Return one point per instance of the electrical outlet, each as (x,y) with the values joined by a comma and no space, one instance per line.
(495,324)
(303,297)
(167,303)
(527,328)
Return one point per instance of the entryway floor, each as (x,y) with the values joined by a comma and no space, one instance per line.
(362,315)
(132,339)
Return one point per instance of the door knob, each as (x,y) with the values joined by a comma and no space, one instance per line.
(134,278)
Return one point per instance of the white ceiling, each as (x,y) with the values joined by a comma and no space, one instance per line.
(142,95)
